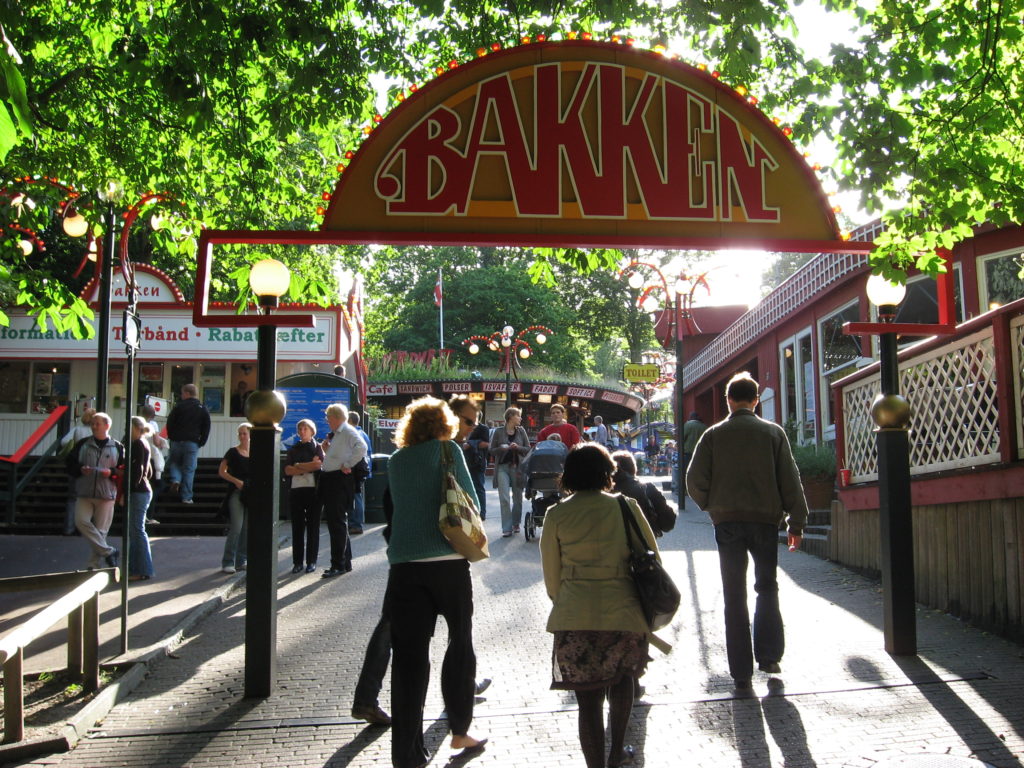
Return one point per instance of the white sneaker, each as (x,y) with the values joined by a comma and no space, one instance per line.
(228,569)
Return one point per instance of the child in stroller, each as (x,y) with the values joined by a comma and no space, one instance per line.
(542,469)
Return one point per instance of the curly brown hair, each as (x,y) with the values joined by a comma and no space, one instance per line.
(426,418)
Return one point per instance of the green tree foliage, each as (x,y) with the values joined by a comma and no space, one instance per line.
(924,105)
(596,325)
(243,110)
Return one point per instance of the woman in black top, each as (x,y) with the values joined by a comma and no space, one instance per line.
(303,467)
(234,468)
(140,561)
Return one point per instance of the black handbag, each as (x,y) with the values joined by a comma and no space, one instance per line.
(659,596)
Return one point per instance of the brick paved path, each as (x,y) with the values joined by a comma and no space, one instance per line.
(844,702)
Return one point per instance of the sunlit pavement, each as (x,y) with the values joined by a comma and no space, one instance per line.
(840,701)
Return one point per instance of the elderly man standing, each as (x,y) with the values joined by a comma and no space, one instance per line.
(744,476)
(188,428)
(343,449)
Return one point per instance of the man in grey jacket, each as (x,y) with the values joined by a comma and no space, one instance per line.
(743,475)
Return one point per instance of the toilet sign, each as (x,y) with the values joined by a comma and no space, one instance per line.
(636,372)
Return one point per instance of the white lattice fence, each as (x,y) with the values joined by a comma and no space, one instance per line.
(954,410)
(1017,345)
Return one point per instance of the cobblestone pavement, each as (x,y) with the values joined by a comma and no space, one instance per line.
(841,700)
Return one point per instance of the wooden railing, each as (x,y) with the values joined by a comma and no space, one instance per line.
(81,606)
(15,486)
(965,395)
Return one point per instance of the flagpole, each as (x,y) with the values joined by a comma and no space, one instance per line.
(440,304)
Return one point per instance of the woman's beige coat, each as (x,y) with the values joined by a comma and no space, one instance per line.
(586,564)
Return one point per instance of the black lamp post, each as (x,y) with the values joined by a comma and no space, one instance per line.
(678,301)
(891,413)
(265,408)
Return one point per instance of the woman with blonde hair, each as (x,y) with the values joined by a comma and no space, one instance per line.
(427,579)
(601,635)
(140,560)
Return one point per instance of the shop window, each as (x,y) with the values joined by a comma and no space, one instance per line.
(151,381)
(1001,283)
(50,384)
(14,379)
(840,354)
(180,376)
(115,387)
(243,383)
(921,303)
(799,404)
(211,388)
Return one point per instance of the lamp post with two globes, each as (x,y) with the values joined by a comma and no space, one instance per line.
(512,347)
(678,300)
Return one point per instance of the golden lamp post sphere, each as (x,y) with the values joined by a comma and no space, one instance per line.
(265,408)
(890,411)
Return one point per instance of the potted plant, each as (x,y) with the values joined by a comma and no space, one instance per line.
(817,465)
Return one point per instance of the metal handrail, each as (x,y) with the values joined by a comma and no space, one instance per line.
(81,607)
(14,486)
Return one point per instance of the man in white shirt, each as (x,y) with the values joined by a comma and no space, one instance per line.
(600,431)
(343,449)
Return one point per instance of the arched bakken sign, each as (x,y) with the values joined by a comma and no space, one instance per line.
(571,143)
(575,142)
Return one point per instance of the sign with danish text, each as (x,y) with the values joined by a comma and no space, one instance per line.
(544,389)
(580,392)
(497,386)
(582,142)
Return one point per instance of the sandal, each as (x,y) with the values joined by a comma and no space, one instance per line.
(628,756)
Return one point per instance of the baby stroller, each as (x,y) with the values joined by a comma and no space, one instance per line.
(543,471)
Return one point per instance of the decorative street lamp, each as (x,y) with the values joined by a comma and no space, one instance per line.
(265,408)
(512,347)
(680,301)
(891,414)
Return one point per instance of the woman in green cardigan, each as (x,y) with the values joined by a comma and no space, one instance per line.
(427,579)
(601,636)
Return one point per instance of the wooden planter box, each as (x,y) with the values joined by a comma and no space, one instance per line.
(819,491)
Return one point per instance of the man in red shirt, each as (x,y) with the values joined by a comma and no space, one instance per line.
(569,434)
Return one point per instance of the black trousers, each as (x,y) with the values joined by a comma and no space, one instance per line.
(375,665)
(305,510)
(337,492)
(417,594)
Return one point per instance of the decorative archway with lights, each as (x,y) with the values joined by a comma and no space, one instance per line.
(569,143)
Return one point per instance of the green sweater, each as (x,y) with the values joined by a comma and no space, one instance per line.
(414,476)
(743,471)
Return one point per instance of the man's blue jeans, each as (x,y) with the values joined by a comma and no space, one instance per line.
(358,515)
(181,465)
(761,540)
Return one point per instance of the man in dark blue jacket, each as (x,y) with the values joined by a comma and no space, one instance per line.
(188,428)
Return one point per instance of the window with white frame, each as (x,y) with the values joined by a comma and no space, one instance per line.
(999,278)
(921,303)
(840,354)
(798,405)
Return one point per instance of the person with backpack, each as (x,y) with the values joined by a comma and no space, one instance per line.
(652,502)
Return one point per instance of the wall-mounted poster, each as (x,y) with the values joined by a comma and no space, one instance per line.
(213,399)
(44,384)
